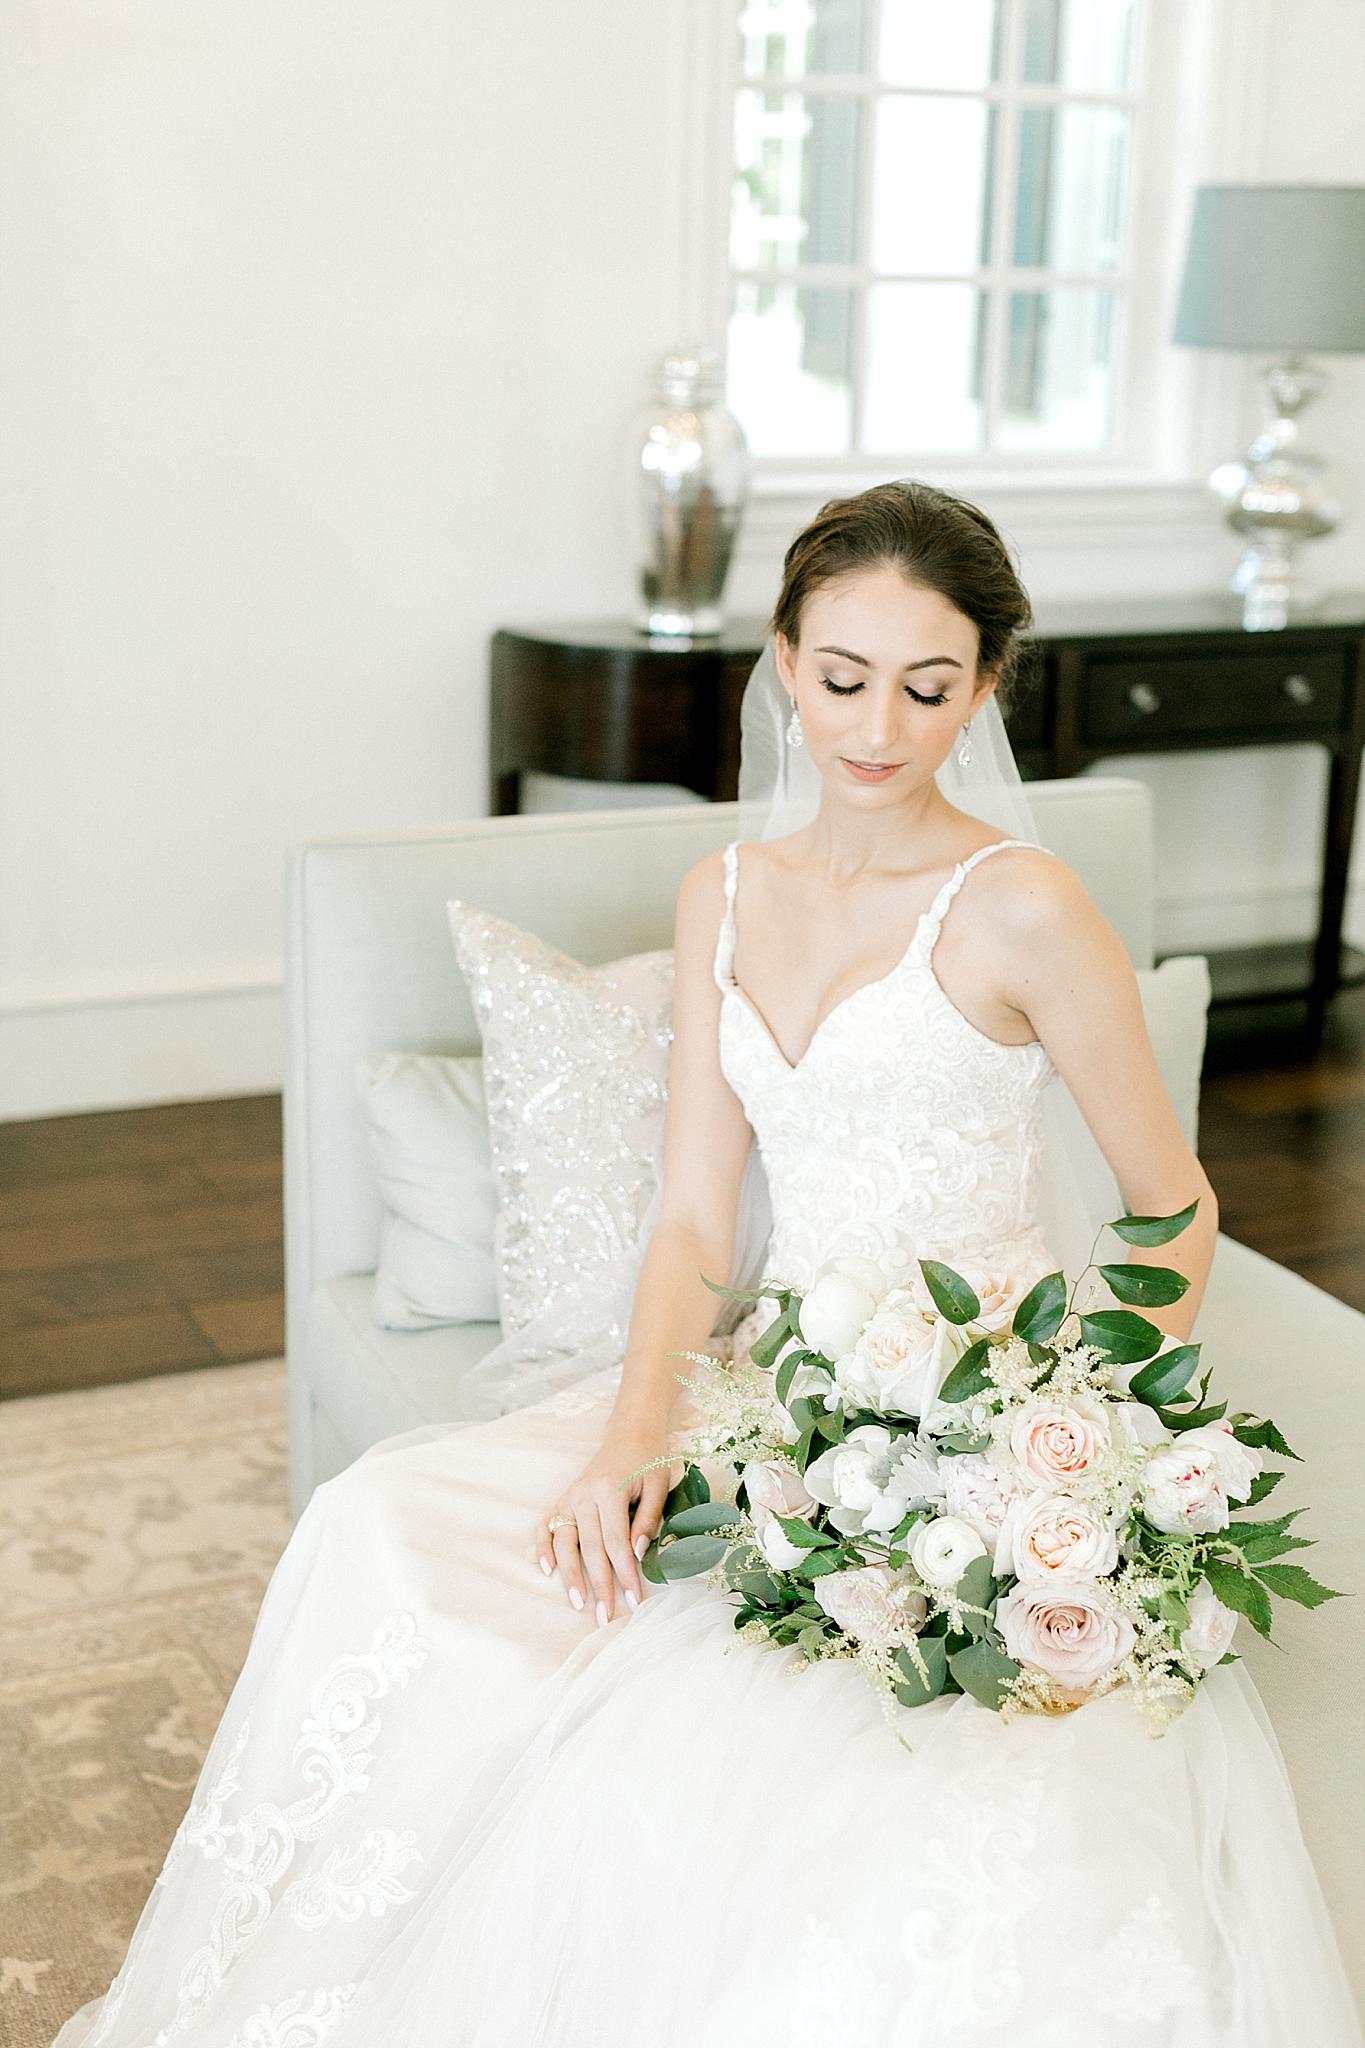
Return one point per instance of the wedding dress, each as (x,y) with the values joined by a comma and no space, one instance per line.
(443,1809)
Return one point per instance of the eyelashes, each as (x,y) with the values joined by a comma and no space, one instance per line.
(852,689)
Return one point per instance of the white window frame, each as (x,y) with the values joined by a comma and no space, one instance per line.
(1202,92)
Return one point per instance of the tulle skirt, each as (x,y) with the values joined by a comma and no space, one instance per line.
(443,1809)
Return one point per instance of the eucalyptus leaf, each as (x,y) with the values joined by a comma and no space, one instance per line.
(764,1349)
(1154,1229)
(977,1587)
(690,1555)
(983,1671)
(691,1488)
(699,1520)
(787,1371)
(1145,1286)
(953,1298)
(1040,1314)
(911,1689)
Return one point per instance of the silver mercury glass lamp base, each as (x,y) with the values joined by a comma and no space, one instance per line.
(1278,495)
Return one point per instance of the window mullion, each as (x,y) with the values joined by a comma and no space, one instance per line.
(861,289)
(1003,200)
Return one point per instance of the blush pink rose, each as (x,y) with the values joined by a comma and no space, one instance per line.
(1054,1537)
(1055,1444)
(1069,1630)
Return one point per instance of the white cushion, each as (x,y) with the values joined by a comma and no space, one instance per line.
(428,1134)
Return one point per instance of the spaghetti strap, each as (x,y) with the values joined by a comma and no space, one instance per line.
(960,873)
(723,960)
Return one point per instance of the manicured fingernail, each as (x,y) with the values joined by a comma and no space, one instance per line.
(547,1565)
(641,1544)
(601,1614)
(632,1597)
(575,1596)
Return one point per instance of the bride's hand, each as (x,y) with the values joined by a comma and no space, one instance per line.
(613,1523)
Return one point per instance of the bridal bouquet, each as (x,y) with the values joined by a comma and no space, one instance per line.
(969,1492)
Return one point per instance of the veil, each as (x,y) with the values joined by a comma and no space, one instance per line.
(584,1336)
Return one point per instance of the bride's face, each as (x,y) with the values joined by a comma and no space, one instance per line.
(883,679)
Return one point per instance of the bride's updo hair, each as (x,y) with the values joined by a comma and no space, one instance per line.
(935,539)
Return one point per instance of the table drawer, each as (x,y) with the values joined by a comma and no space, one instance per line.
(1217,695)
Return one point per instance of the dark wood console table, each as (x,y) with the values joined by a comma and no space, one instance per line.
(600,701)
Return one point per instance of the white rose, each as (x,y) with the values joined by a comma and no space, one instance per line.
(1000,1285)
(772,1539)
(977,1492)
(871,1603)
(1070,1630)
(1190,1480)
(1208,1633)
(833,1313)
(941,1550)
(1053,1537)
(899,1362)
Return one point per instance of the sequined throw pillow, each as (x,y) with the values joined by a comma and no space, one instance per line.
(575,1063)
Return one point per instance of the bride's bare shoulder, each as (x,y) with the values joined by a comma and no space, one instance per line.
(1034,900)
(701,896)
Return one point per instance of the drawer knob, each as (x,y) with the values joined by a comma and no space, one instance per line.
(1298,689)
(1143,697)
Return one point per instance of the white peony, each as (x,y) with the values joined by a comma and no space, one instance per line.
(1049,1536)
(1189,1481)
(1070,1630)
(941,1550)
(873,1604)
(1208,1633)
(834,1311)
(868,1481)
(977,1492)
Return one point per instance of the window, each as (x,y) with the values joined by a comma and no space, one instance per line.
(929,228)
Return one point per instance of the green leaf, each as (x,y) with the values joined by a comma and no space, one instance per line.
(1154,1229)
(1040,1314)
(690,1555)
(912,1691)
(1145,1286)
(738,1293)
(1171,1608)
(690,1489)
(1239,1591)
(977,1588)
(818,1564)
(803,1535)
(698,1520)
(953,1298)
(650,1567)
(1292,1582)
(968,1376)
(1261,1485)
(1261,1548)
(787,1371)
(1190,1418)
(760,1587)
(829,1423)
(983,1671)
(764,1349)
(1262,1436)
(1121,1335)
(1165,1376)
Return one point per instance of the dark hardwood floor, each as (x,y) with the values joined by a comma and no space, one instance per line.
(147,1241)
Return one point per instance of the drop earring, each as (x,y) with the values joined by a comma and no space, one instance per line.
(964,752)
(795,736)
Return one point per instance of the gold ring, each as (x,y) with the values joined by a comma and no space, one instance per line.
(561,1522)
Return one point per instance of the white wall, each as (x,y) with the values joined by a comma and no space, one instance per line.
(319,331)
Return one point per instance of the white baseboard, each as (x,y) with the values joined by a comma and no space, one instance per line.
(62,1055)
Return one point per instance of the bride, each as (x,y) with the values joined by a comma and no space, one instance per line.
(480,1785)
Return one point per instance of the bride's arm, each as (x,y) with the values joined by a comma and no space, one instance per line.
(1068,971)
(706,1146)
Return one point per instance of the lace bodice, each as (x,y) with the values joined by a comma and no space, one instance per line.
(903,1131)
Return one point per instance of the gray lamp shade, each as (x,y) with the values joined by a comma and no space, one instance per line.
(1275,267)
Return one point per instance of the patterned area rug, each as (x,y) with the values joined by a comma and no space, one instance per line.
(139,1525)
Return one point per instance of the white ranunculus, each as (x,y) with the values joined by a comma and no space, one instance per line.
(1070,1630)
(833,1313)
(941,1550)
(1190,1481)
(1208,1633)
(899,1362)
(977,1492)
(873,1604)
(1051,1536)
